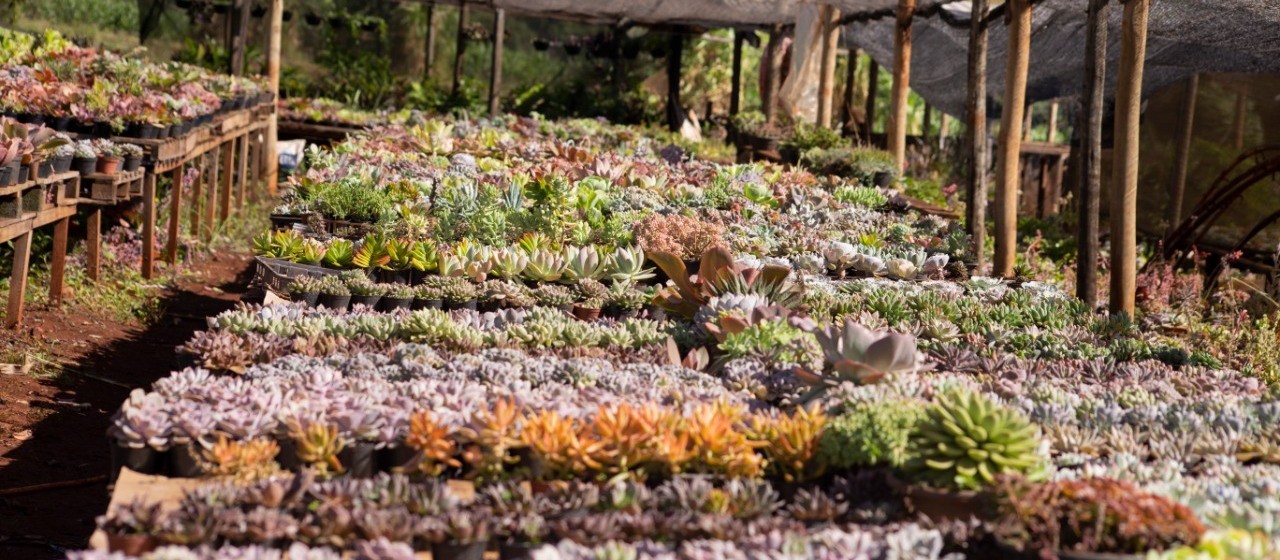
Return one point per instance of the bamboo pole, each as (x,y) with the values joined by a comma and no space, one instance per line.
(495,78)
(273,77)
(1186,127)
(977,147)
(1090,151)
(827,74)
(1007,172)
(1124,183)
(901,82)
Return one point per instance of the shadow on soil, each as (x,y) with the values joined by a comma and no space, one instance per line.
(70,444)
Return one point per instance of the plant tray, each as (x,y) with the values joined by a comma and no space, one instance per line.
(275,274)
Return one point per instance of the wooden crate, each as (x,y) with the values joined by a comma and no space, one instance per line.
(112,189)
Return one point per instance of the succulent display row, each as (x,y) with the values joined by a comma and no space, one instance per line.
(330,112)
(49,80)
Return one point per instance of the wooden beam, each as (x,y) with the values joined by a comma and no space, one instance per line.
(1186,127)
(897,131)
(827,72)
(460,43)
(1089,159)
(926,125)
(228,180)
(873,82)
(148,224)
(675,53)
(242,180)
(239,35)
(773,73)
(197,188)
(944,128)
(175,216)
(273,77)
(211,205)
(93,242)
(18,279)
(1051,135)
(1007,172)
(735,79)
(495,77)
(850,79)
(58,261)
(1124,182)
(429,57)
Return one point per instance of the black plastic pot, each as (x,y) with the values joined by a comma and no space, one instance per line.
(184,461)
(102,129)
(620,313)
(309,298)
(360,460)
(60,124)
(84,166)
(394,276)
(454,551)
(883,178)
(284,221)
(24,173)
(164,132)
(45,169)
(131,164)
(333,301)
(516,550)
(426,304)
(392,304)
(370,301)
(287,458)
(4,175)
(143,460)
(62,164)
(394,459)
(452,305)
(488,306)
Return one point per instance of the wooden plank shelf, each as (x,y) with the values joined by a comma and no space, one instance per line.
(112,189)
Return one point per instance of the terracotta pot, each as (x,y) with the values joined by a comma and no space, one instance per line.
(108,165)
(132,545)
(942,505)
(586,313)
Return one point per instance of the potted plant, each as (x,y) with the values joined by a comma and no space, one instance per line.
(334,294)
(625,302)
(132,154)
(364,291)
(62,156)
(109,159)
(958,449)
(428,297)
(140,432)
(305,289)
(519,534)
(460,535)
(84,159)
(131,528)
(1089,519)
(591,296)
(396,296)
(554,295)
(459,294)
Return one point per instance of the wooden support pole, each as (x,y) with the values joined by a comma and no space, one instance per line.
(148,224)
(1186,126)
(495,78)
(228,180)
(242,181)
(873,82)
(211,205)
(429,56)
(93,242)
(1124,181)
(846,102)
(675,54)
(464,13)
(927,123)
(944,128)
(827,72)
(1010,145)
(251,188)
(1237,123)
(735,80)
(1089,158)
(901,82)
(977,155)
(1027,121)
(175,216)
(772,73)
(273,77)
(197,189)
(239,36)
(58,261)
(1051,136)
(18,279)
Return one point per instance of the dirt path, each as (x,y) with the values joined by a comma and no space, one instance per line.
(53,430)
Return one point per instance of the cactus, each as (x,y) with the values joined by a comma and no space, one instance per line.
(965,440)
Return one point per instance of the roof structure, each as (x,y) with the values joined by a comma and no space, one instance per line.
(1184,37)
(708,13)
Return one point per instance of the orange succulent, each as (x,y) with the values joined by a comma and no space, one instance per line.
(790,442)
(434,441)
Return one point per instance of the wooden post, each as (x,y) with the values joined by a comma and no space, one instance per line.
(58,261)
(429,57)
(148,224)
(175,216)
(1052,134)
(93,242)
(675,52)
(1089,127)
(773,73)
(211,206)
(927,123)
(1027,121)
(242,182)
(1186,126)
(846,102)
(944,128)
(273,76)
(251,192)
(977,156)
(18,278)
(239,36)
(827,73)
(735,81)
(228,180)
(196,196)
(1124,182)
(495,79)
(1237,123)
(901,82)
(464,13)
(873,82)
(1007,180)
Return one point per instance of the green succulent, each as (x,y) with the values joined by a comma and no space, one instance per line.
(870,433)
(965,440)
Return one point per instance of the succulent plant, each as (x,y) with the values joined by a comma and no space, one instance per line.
(134,518)
(853,354)
(965,441)
(583,263)
(626,266)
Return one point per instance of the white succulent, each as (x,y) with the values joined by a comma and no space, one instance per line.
(902,269)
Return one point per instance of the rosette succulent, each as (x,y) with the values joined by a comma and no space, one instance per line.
(965,441)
